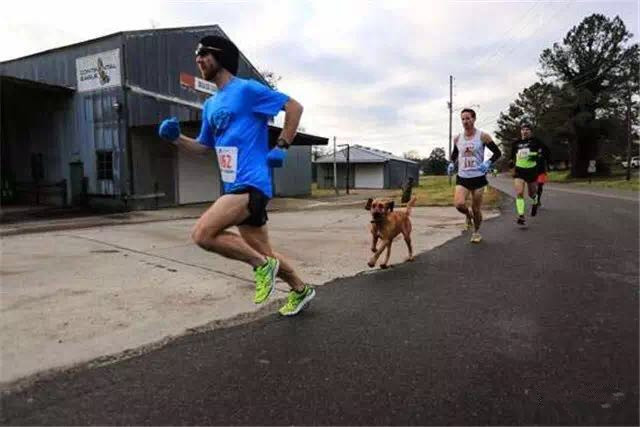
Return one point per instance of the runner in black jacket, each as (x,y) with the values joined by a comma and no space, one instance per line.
(525,158)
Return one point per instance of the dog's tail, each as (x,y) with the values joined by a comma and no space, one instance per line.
(411,204)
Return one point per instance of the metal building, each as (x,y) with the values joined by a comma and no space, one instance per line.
(78,124)
(366,168)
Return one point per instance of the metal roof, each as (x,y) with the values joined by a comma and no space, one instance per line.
(214,28)
(362,154)
(301,138)
(118,33)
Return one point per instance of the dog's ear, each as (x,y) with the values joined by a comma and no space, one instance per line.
(391,205)
(368,205)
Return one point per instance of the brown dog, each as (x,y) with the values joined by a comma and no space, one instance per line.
(386,224)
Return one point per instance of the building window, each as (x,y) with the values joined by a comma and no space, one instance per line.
(105,164)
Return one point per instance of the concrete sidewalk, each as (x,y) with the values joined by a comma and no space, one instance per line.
(75,219)
(76,295)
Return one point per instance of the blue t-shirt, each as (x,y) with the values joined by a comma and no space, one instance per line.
(235,122)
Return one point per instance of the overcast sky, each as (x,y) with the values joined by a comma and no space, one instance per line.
(374,73)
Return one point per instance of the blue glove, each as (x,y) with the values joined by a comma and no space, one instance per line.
(484,167)
(450,168)
(169,129)
(275,158)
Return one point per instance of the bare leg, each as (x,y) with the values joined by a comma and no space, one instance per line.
(519,186)
(210,230)
(258,239)
(460,200)
(476,203)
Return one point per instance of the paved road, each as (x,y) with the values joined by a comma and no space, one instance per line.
(532,326)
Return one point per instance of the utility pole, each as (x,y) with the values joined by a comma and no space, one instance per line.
(335,168)
(348,167)
(628,133)
(450,116)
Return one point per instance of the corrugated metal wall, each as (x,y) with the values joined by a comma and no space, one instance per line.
(58,66)
(396,173)
(31,131)
(154,164)
(88,121)
(294,179)
(104,131)
(325,175)
(154,61)
(64,127)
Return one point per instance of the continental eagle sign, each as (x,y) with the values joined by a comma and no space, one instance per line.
(99,71)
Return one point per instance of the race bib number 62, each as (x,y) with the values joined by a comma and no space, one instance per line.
(228,163)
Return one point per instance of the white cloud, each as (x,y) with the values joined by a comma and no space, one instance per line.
(369,72)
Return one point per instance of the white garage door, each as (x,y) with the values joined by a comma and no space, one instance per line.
(198,177)
(370,176)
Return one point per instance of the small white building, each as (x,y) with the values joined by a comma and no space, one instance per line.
(367,168)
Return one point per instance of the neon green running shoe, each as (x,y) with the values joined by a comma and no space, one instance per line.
(266,279)
(297,301)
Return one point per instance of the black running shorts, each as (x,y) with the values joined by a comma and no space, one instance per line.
(472,184)
(527,174)
(257,206)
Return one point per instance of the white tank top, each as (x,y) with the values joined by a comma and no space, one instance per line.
(470,155)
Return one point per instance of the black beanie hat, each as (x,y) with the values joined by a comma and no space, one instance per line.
(223,49)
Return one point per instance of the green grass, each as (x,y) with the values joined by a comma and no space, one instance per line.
(322,192)
(431,191)
(617,179)
(436,191)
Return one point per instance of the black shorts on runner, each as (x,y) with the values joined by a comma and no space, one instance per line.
(257,206)
(527,174)
(472,183)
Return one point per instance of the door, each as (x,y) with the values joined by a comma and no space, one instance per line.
(370,175)
(198,177)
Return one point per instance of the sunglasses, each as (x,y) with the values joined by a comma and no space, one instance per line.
(203,50)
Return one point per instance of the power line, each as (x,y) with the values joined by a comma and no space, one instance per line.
(479,59)
(497,54)
(539,13)
(515,46)
(580,76)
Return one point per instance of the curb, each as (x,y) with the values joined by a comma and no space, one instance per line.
(43,228)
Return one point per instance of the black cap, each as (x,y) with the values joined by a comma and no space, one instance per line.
(223,49)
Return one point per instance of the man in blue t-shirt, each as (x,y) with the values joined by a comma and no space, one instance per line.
(235,125)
